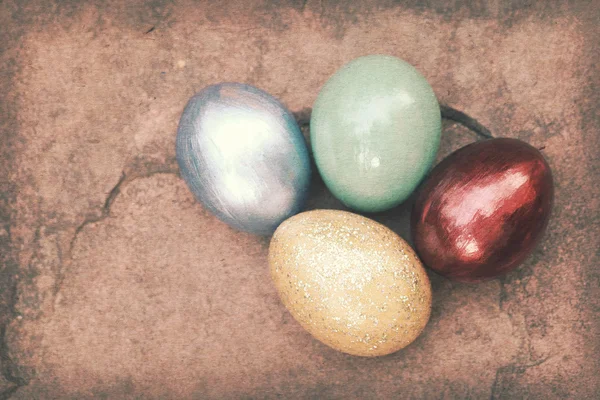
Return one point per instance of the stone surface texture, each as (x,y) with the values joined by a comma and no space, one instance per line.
(116,284)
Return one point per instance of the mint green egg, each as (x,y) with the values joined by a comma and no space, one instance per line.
(375,131)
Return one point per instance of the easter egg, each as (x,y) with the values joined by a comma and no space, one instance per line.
(351,282)
(483,209)
(243,156)
(375,131)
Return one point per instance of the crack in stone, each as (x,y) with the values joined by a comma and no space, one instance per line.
(513,368)
(525,350)
(8,368)
(105,212)
(126,177)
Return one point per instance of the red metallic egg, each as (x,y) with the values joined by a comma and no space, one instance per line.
(483,209)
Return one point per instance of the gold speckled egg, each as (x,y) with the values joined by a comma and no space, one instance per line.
(351,282)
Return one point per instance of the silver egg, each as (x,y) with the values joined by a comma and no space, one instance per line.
(242,154)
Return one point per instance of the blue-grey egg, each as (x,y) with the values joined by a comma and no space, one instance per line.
(242,154)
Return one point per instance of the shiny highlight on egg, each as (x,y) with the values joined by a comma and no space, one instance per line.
(483,209)
(242,154)
(375,131)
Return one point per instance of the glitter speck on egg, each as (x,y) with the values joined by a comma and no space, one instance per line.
(351,282)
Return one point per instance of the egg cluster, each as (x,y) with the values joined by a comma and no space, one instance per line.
(375,131)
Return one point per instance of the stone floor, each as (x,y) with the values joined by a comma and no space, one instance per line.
(116,284)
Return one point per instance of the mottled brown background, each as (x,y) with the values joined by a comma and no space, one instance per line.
(116,284)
